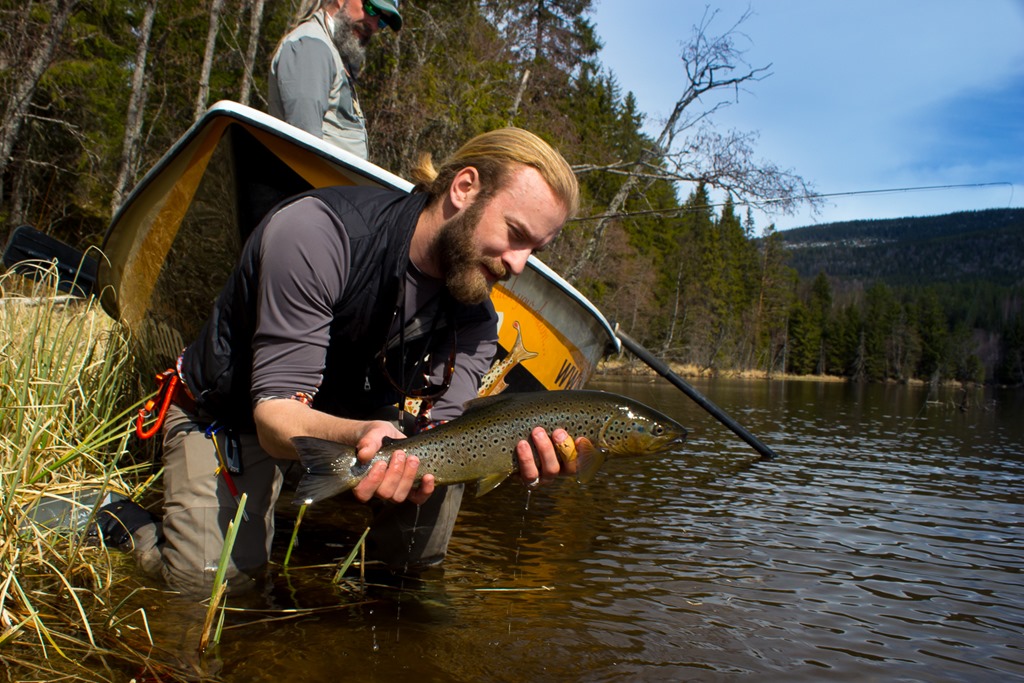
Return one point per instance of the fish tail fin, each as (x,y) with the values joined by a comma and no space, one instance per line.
(589,459)
(328,469)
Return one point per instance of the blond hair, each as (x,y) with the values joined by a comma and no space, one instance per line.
(495,155)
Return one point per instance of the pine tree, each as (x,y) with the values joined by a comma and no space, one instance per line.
(846,350)
(774,298)
(681,272)
(1011,367)
(821,314)
(879,323)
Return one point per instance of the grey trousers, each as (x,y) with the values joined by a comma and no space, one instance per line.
(198,507)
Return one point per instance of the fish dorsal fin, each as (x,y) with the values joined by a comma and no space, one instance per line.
(489,483)
(483,402)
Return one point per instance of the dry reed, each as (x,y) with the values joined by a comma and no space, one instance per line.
(67,393)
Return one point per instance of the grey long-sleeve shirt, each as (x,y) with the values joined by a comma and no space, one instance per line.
(305,266)
(311,89)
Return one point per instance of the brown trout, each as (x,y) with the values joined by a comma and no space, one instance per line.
(479,447)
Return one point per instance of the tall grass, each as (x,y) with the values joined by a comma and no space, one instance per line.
(67,394)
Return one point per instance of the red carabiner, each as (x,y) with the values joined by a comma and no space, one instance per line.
(166,383)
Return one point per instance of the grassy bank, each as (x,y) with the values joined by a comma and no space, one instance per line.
(67,395)
(631,366)
(70,608)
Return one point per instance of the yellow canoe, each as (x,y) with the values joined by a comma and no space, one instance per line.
(171,245)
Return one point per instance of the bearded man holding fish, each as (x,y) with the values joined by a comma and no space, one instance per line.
(345,302)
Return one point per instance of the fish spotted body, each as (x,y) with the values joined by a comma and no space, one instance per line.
(480,445)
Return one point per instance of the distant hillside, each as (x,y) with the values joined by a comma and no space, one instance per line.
(972,246)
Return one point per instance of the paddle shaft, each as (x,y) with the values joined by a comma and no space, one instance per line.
(662,369)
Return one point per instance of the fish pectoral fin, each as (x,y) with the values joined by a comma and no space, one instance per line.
(489,483)
(589,459)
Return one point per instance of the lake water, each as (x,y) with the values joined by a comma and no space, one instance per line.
(886,543)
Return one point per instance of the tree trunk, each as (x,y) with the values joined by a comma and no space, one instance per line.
(255,25)
(22,90)
(519,96)
(136,108)
(670,338)
(15,202)
(211,47)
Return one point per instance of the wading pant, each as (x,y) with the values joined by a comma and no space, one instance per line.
(198,506)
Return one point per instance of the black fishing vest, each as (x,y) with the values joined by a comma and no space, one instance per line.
(217,367)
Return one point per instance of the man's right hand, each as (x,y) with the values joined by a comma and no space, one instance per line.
(370,437)
(395,481)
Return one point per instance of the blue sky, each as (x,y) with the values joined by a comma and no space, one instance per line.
(863,96)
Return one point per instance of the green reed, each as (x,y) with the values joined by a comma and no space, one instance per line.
(68,391)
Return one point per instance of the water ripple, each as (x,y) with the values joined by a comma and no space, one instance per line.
(886,543)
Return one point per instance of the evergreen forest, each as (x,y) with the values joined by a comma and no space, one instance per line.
(94,92)
(929,297)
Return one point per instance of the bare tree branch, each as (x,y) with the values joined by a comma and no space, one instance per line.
(689,150)
(43,50)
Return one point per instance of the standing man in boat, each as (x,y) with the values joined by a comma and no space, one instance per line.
(313,71)
(347,301)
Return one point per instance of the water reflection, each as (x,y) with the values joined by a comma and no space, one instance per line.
(885,543)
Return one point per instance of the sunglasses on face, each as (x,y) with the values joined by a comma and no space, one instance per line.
(374,12)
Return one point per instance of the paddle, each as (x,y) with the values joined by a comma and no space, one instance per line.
(662,369)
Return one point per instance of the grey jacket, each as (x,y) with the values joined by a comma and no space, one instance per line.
(311,88)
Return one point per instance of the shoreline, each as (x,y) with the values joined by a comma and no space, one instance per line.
(618,367)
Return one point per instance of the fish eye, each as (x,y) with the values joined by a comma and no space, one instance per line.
(658,430)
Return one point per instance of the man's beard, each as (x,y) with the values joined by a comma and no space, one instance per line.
(350,46)
(461,260)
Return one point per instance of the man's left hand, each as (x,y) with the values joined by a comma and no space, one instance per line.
(547,465)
